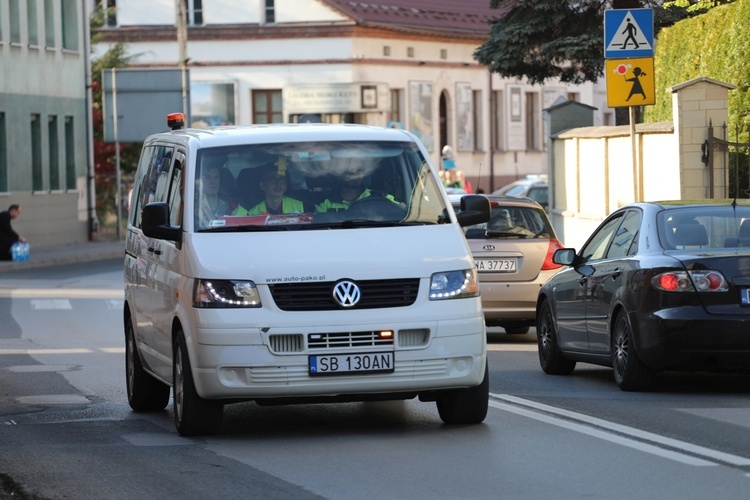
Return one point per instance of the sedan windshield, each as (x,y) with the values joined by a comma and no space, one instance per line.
(335,184)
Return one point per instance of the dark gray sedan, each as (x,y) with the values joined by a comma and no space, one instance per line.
(658,286)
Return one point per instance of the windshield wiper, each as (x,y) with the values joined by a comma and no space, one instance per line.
(242,229)
(371,223)
(505,234)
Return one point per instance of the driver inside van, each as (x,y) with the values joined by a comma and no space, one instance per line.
(351,188)
(273,181)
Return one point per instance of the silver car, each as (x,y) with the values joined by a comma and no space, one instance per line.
(513,256)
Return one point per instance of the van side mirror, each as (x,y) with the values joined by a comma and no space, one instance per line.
(155,223)
(475,209)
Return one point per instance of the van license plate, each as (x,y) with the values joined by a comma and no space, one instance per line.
(340,364)
(495,265)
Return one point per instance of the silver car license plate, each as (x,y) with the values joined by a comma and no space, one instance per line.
(495,265)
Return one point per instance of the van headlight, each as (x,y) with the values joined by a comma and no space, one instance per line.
(454,285)
(225,293)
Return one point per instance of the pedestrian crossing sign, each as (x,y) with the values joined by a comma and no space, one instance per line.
(630,82)
(628,33)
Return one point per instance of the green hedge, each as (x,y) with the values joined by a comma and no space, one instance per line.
(715,45)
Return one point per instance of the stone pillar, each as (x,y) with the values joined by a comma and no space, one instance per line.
(695,104)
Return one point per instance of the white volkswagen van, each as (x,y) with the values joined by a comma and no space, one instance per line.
(298,263)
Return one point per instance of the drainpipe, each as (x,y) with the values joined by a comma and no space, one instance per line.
(492,136)
(93,223)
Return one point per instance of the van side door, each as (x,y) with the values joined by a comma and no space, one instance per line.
(152,185)
(166,271)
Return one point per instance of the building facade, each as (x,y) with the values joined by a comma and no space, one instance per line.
(400,63)
(44,146)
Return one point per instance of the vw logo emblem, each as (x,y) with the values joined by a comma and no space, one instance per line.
(346,293)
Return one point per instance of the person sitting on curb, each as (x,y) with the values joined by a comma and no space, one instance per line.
(8,237)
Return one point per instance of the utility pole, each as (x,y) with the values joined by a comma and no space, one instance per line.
(182,45)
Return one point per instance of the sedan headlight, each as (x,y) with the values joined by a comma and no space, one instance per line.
(225,293)
(454,285)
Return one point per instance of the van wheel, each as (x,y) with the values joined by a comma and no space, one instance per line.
(145,393)
(193,415)
(466,406)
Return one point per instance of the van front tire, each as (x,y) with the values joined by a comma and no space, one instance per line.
(466,406)
(193,415)
(145,393)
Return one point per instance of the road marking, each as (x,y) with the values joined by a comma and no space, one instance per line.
(105,350)
(513,347)
(638,435)
(60,293)
(50,304)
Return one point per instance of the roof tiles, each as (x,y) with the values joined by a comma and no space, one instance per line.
(461,16)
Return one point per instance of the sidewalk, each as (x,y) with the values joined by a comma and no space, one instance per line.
(67,254)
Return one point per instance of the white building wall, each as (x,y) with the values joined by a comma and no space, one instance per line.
(162,12)
(443,63)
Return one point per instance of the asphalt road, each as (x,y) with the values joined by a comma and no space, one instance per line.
(66,430)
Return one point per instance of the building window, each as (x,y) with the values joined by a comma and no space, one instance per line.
(270,12)
(409,51)
(395,111)
(194,11)
(387,50)
(574,97)
(443,54)
(31,22)
(70,154)
(49,23)
(70,24)
(476,107)
(532,122)
(14,12)
(3,156)
(267,106)
(36,153)
(110,12)
(497,114)
(54,154)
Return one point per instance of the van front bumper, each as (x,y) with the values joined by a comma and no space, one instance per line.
(451,356)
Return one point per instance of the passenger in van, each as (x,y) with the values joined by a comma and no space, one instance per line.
(351,188)
(273,182)
(213,204)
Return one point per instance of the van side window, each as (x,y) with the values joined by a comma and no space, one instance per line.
(153,185)
(175,192)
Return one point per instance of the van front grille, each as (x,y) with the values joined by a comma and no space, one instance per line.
(318,296)
(347,339)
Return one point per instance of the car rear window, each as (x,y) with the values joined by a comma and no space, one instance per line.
(512,222)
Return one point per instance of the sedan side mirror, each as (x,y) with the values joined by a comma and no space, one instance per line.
(564,256)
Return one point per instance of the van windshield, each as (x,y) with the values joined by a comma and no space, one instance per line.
(339,184)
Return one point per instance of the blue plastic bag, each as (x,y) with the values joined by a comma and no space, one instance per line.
(19,252)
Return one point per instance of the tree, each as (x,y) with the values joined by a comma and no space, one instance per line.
(563,39)
(105,176)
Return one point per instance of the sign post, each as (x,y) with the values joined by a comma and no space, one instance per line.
(629,69)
